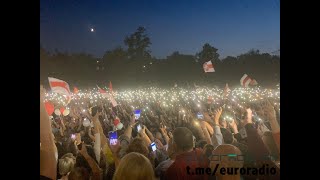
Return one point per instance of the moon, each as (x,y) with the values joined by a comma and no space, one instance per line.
(91,29)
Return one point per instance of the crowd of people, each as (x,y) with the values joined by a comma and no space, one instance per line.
(153,133)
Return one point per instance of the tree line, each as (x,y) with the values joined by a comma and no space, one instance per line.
(134,66)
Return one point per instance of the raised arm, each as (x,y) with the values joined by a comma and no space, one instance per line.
(275,127)
(48,150)
(128,131)
(256,146)
(205,132)
(98,127)
(164,134)
(144,136)
(96,171)
(217,138)
(150,135)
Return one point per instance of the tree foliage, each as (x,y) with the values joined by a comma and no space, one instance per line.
(138,44)
(134,66)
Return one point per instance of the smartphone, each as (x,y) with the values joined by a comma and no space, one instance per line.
(113,137)
(73,136)
(199,115)
(137,114)
(243,133)
(153,146)
(256,117)
(138,127)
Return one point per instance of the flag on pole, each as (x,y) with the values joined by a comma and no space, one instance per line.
(60,87)
(208,67)
(110,86)
(245,81)
(109,96)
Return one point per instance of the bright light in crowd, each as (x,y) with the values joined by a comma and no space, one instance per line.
(196,123)
(91,29)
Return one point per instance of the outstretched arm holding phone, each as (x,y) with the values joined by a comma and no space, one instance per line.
(205,132)
(128,131)
(144,136)
(150,135)
(217,138)
(96,171)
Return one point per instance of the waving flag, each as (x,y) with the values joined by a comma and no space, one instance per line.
(107,95)
(60,87)
(245,81)
(208,67)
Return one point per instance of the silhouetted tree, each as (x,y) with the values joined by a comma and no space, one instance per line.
(207,53)
(138,44)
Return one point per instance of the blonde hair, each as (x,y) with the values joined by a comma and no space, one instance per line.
(66,164)
(222,151)
(134,166)
(138,145)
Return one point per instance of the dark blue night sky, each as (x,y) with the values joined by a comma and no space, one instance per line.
(232,26)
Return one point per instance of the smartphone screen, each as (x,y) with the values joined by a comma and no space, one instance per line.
(200,115)
(137,114)
(243,133)
(73,136)
(113,137)
(153,146)
(138,127)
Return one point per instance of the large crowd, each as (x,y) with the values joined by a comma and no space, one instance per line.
(154,133)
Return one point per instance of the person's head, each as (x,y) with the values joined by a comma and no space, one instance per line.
(200,144)
(207,150)
(182,140)
(134,166)
(158,135)
(227,136)
(66,164)
(139,146)
(225,160)
(79,173)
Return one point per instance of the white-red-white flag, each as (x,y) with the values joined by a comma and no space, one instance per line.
(208,67)
(60,87)
(245,81)
(109,96)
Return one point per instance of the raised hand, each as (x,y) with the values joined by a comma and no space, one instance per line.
(233,126)
(248,119)
(218,113)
